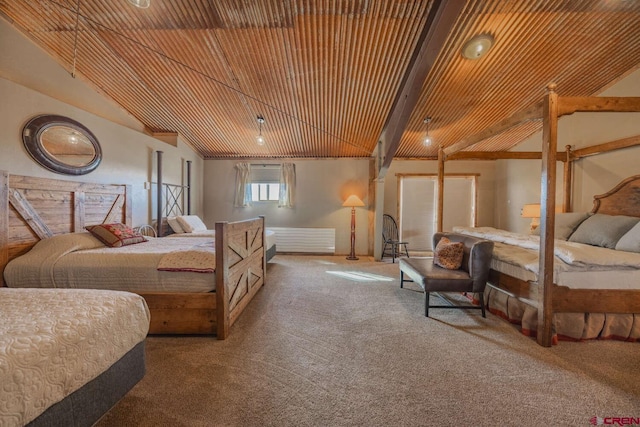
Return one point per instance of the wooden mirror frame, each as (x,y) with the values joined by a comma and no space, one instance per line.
(32,138)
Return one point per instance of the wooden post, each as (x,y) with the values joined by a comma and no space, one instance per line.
(4,223)
(222,276)
(568,179)
(159,195)
(440,213)
(188,187)
(547,216)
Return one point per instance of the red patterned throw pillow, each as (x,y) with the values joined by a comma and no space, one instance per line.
(115,235)
(448,254)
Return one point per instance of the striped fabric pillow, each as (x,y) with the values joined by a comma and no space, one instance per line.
(115,235)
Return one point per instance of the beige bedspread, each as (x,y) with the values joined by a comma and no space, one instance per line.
(79,260)
(53,341)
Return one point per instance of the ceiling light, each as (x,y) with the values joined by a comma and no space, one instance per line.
(427,139)
(477,46)
(260,138)
(142,4)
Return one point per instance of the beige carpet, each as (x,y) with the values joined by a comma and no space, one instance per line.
(330,342)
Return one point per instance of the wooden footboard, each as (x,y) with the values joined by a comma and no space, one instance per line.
(36,208)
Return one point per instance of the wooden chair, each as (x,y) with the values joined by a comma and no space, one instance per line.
(471,277)
(392,244)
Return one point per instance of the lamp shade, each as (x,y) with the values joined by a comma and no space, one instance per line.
(531,211)
(353,201)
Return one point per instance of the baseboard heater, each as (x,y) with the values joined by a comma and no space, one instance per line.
(305,240)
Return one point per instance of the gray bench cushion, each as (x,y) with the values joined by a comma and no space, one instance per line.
(418,269)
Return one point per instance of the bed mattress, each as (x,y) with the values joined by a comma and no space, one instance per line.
(54,341)
(78,260)
(576,266)
(270,236)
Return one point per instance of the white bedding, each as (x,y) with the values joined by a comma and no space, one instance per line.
(79,260)
(576,265)
(53,341)
(270,236)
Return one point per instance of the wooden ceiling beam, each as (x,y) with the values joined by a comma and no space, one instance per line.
(607,146)
(569,105)
(503,155)
(441,20)
(531,113)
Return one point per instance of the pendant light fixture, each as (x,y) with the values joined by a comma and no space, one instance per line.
(260,138)
(427,139)
(142,4)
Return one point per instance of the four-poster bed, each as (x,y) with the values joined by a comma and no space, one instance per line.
(35,209)
(550,298)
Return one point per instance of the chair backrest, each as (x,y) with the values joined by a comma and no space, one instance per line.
(389,228)
(477,257)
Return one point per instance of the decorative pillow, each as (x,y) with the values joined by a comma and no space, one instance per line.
(448,254)
(630,242)
(566,223)
(191,223)
(603,230)
(115,235)
(174,224)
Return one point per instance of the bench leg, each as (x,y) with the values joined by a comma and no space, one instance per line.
(481,295)
(426,304)
(401,279)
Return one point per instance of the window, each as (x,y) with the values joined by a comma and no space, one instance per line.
(264,192)
(265,183)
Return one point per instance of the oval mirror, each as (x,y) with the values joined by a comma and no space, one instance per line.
(61,145)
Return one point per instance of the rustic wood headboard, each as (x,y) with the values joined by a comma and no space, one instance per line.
(32,209)
(623,199)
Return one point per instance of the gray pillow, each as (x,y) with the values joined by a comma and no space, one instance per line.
(603,230)
(566,222)
(630,242)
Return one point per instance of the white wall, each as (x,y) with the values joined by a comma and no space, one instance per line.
(321,188)
(32,83)
(519,181)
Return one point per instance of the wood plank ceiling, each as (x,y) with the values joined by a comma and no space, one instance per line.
(324,74)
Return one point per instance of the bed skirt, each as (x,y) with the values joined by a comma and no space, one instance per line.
(566,326)
(85,406)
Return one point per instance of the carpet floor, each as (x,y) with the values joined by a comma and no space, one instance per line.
(331,342)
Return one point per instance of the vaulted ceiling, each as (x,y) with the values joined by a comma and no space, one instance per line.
(326,75)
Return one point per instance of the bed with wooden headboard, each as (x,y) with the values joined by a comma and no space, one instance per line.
(33,208)
(593,301)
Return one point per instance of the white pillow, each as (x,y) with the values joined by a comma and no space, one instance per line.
(191,223)
(174,224)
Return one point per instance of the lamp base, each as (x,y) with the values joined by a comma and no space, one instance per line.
(352,258)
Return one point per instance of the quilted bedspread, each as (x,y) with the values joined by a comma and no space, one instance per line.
(79,260)
(53,341)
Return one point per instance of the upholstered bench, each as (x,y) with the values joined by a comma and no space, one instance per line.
(470,277)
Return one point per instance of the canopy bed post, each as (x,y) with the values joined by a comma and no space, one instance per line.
(440,217)
(188,187)
(568,179)
(547,212)
(159,195)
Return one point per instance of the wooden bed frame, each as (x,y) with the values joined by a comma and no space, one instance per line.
(551,298)
(32,209)
(623,199)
